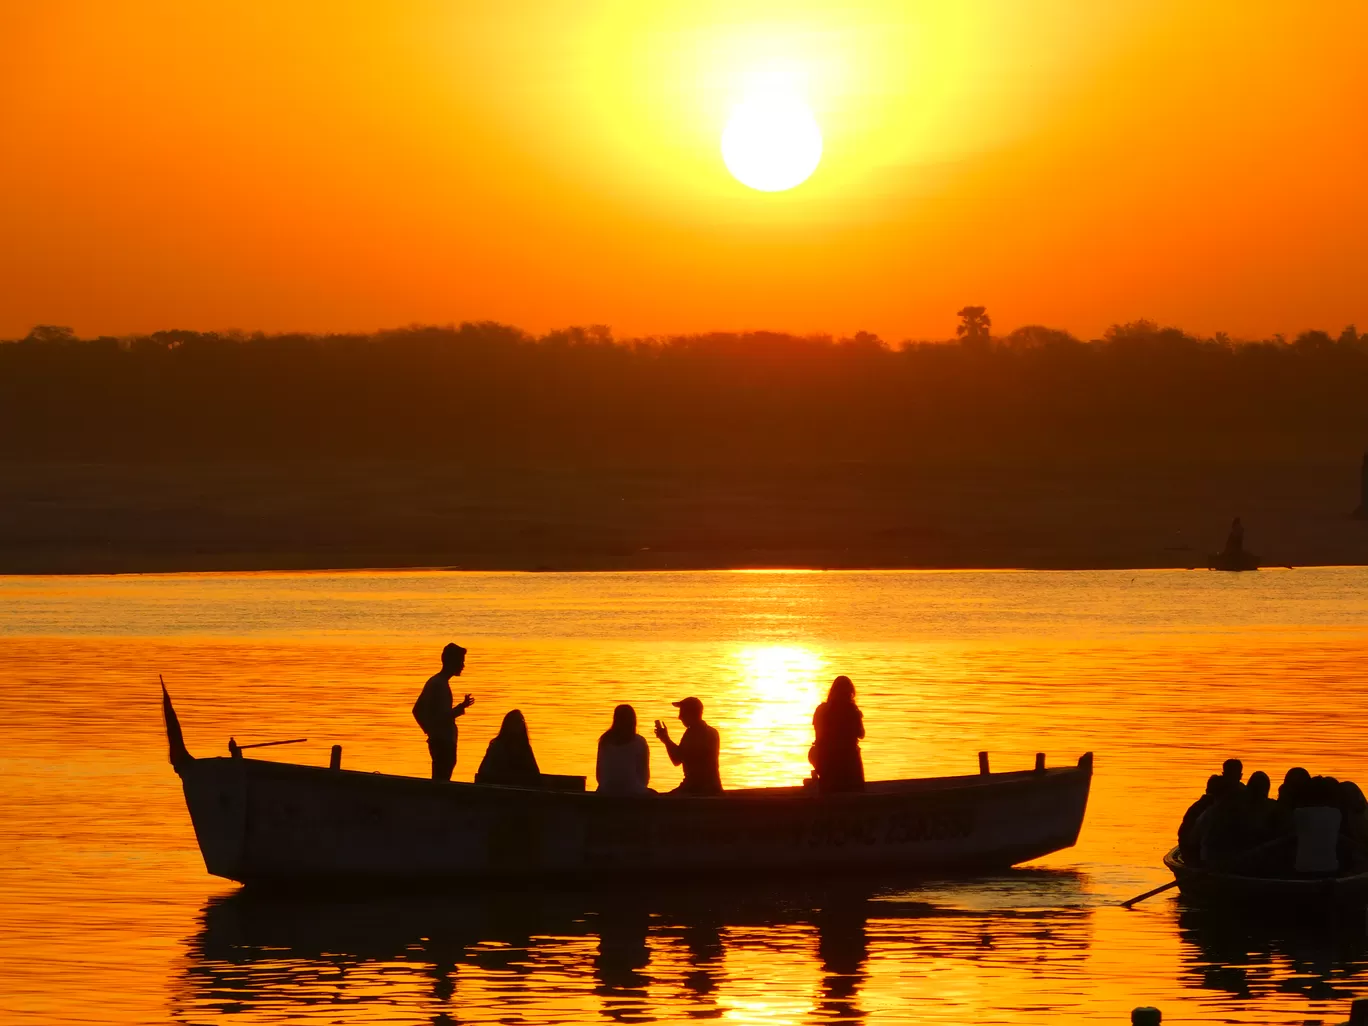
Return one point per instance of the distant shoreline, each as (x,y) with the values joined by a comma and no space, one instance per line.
(1160,512)
(382,570)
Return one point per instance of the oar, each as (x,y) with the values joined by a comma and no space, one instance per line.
(236,749)
(1241,858)
(1149,894)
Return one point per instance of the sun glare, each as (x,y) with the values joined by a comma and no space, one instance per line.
(772,141)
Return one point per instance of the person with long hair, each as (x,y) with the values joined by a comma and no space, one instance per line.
(624,760)
(508,759)
(839,727)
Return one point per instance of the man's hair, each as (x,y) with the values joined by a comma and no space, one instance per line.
(452,653)
(1232,768)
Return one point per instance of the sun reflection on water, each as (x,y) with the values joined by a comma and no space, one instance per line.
(780,687)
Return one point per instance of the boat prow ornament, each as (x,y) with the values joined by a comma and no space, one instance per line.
(286,824)
(180,756)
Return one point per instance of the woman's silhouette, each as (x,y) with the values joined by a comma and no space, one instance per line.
(839,727)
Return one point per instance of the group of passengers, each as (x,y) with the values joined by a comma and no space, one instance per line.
(623,766)
(1315,825)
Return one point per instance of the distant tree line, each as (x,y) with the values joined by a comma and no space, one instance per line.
(490,391)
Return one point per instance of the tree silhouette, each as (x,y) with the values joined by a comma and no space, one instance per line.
(975,324)
(51,333)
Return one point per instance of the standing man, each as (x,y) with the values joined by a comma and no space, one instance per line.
(437,716)
(698,750)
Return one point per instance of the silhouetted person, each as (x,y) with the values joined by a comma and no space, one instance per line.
(1223,829)
(623,765)
(1261,810)
(1234,545)
(508,759)
(839,727)
(698,750)
(1354,826)
(1317,819)
(1289,794)
(1232,771)
(1190,830)
(1293,781)
(436,714)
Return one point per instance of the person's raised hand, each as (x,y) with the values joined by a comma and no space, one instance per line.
(661,731)
(468,701)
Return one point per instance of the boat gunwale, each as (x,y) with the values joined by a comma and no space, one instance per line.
(879,789)
(1287,885)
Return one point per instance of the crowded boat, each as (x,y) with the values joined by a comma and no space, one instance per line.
(1316,826)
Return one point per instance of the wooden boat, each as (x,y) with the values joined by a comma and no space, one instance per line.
(1308,894)
(1234,562)
(282,823)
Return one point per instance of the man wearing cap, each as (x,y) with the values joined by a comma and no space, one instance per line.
(697,750)
(436,714)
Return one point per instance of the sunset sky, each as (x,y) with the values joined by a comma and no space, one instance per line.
(353,165)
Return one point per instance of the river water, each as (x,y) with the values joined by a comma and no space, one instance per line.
(108,916)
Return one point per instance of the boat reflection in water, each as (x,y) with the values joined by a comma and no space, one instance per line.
(1254,955)
(689,952)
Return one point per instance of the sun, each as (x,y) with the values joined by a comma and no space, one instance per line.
(772,141)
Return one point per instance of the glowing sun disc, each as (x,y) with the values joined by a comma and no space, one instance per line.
(771,143)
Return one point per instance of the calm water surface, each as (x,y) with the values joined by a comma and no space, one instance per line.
(107,914)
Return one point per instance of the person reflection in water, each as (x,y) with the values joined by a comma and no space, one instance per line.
(437,716)
(698,750)
(509,760)
(839,727)
(624,760)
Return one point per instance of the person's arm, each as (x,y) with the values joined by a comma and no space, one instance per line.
(644,750)
(671,749)
(598,765)
(458,710)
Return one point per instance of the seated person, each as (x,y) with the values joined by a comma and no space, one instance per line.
(1260,808)
(508,759)
(1354,825)
(1317,819)
(1223,829)
(839,727)
(1190,831)
(1289,795)
(624,761)
(698,750)
(1232,770)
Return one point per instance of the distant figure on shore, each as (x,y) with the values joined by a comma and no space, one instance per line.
(1235,556)
(1234,546)
(698,750)
(436,714)
(624,759)
(839,728)
(508,759)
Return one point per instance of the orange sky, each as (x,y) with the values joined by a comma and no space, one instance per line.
(352,165)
